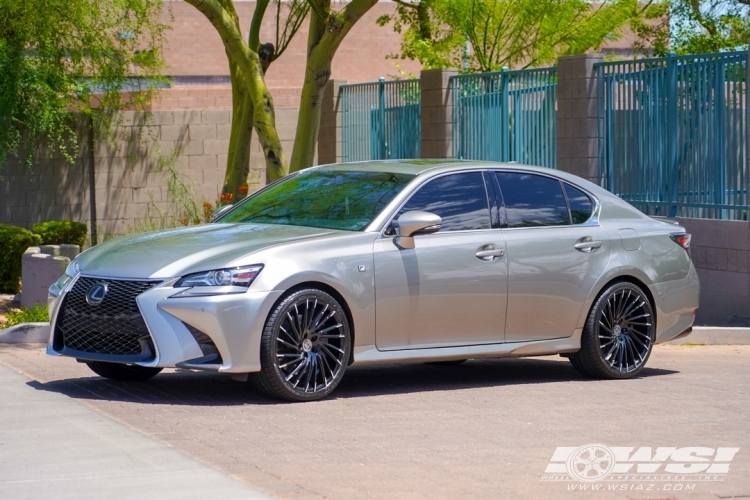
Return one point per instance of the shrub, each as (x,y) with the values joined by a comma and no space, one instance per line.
(13,243)
(37,314)
(61,232)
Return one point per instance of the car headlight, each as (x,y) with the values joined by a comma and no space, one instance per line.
(218,282)
(70,273)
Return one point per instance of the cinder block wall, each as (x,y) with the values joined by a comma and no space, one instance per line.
(129,178)
(721,251)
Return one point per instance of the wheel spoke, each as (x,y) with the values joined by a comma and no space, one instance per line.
(320,333)
(316,321)
(287,343)
(636,339)
(631,317)
(629,323)
(294,326)
(289,335)
(644,335)
(633,306)
(295,371)
(324,347)
(291,362)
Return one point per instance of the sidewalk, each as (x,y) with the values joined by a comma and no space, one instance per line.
(53,447)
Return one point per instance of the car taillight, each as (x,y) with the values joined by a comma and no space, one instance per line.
(682,239)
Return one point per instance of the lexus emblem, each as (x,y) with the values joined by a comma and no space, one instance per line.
(96,294)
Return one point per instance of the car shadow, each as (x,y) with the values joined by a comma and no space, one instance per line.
(185,387)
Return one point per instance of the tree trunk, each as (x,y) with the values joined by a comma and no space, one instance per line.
(308,122)
(317,73)
(264,121)
(238,159)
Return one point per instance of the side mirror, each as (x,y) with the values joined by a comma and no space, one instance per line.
(221,211)
(413,223)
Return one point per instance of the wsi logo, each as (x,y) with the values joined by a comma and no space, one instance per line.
(597,462)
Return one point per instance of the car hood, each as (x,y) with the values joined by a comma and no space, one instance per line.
(176,252)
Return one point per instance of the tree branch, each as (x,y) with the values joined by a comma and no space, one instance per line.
(349,15)
(253,39)
(695,7)
(230,35)
(415,5)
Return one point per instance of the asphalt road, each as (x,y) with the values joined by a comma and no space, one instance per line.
(484,429)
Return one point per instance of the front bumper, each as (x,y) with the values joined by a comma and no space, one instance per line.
(234,323)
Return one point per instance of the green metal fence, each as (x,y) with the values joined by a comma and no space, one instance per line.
(506,116)
(673,134)
(381,120)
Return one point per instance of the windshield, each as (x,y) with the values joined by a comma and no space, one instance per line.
(322,198)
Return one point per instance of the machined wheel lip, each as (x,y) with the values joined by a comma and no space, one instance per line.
(310,345)
(625,330)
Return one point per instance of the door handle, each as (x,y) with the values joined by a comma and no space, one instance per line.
(489,252)
(587,245)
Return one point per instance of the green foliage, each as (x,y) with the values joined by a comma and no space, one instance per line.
(61,232)
(694,26)
(58,57)
(37,314)
(13,243)
(511,33)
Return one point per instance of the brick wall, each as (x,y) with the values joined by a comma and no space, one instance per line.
(721,251)
(194,48)
(128,177)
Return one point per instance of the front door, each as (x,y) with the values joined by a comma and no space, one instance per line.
(441,293)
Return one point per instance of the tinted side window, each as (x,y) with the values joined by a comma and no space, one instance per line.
(533,200)
(459,199)
(580,204)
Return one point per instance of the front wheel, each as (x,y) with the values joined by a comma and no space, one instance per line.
(305,347)
(619,334)
(123,373)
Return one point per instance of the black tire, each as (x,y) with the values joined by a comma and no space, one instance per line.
(452,362)
(123,373)
(305,347)
(619,334)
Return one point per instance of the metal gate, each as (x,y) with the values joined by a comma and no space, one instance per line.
(381,120)
(673,134)
(506,116)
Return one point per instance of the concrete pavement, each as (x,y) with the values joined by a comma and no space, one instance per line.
(484,429)
(53,447)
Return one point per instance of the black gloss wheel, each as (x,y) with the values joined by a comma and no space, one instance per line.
(122,372)
(619,334)
(305,347)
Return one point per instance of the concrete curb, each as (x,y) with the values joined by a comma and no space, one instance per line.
(25,333)
(714,335)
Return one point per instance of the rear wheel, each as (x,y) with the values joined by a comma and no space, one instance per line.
(123,373)
(305,347)
(619,334)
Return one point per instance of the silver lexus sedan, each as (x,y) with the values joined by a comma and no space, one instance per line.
(383,262)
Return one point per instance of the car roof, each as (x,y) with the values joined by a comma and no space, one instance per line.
(430,167)
(420,166)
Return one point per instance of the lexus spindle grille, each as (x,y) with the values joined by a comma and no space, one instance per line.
(112,327)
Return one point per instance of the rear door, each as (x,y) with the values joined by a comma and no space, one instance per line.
(556,253)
